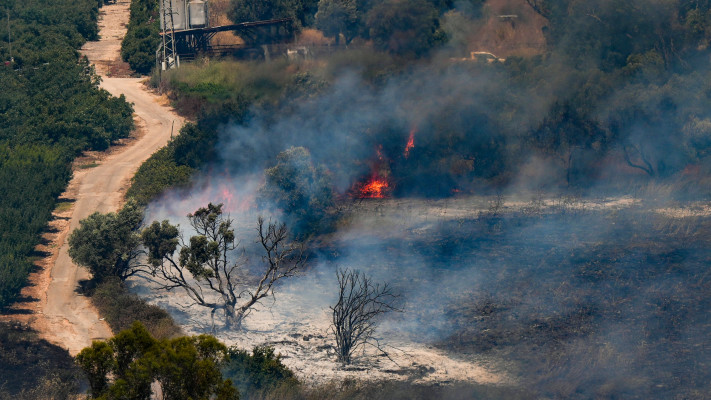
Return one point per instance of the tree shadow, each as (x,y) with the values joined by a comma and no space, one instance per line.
(21,311)
(40,253)
(86,287)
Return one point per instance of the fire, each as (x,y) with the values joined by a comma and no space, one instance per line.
(227,196)
(375,188)
(410,142)
(377,185)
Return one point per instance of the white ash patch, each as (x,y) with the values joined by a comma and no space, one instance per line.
(297,325)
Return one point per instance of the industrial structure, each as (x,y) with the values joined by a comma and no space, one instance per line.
(186,32)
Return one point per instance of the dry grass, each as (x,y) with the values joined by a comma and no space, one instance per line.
(121,309)
(521,36)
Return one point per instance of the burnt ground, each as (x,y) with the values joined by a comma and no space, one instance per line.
(581,299)
(34,368)
(586,305)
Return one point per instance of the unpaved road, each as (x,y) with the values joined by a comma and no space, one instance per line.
(62,316)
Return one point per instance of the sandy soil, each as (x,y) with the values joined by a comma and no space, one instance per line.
(511,28)
(52,305)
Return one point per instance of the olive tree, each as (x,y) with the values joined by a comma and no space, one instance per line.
(361,303)
(208,267)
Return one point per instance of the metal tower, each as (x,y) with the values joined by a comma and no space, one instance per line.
(169,57)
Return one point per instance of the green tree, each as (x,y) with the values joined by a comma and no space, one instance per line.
(139,46)
(107,244)
(259,10)
(97,363)
(407,28)
(126,365)
(258,373)
(300,189)
(338,17)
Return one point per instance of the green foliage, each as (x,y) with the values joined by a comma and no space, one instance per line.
(43,32)
(107,244)
(258,374)
(51,108)
(121,308)
(157,174)
(300,189)
(31,177)
(260,10)
(127,365)
(407,28)
(221,92)
(139,46)
(173,164)
(338,17)
(60,103)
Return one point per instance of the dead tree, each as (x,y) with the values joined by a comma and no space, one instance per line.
(209,268)
(640,160)
(360,304)
(540,7)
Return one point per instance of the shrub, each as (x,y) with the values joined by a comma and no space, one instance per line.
(257,374)
(121,308)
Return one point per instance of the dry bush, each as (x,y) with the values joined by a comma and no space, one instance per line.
(121,308)
(312,37)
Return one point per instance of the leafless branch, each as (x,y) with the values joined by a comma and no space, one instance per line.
(206,269)
(355,314)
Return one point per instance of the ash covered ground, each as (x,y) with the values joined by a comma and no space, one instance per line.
(563,296)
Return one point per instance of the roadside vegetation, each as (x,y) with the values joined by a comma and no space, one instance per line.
(52,109)
(139,45)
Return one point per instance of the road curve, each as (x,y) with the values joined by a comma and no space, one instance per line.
(69,318)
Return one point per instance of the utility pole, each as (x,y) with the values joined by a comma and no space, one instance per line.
(170,59)
(9,36)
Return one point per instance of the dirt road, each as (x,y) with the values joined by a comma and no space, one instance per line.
(61,315)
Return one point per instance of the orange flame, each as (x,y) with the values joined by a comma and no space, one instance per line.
(375,188)
(410,142)
(227,196)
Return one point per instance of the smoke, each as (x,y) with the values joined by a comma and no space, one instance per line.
(578,293)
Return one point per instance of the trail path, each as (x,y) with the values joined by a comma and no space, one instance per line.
(52,304)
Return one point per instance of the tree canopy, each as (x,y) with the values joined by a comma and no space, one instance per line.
(300,189)
(128,364)
(107,244)
(51,108)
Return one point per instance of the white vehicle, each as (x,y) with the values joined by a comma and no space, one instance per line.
(485,56)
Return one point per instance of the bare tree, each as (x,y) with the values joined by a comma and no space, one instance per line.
(540,7)
(636,157)
(209,268)
(360,304)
